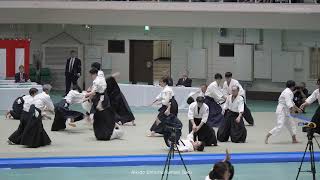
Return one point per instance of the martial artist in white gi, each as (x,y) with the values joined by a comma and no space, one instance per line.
(198,115)
(285,107)
(312,98)
(227,90)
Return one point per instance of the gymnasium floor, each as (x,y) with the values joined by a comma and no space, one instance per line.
(80,141)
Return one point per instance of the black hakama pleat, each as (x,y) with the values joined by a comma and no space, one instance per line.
(17,108)
(34,134)
(103,124)
(205,133)
(62,113)
(230,128)
(17,135)
(247,115)
(173,110)
(118,102)
(316,119)
(215,117)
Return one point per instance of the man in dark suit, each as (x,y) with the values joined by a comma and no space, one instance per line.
(184,81)
(21,77)
(72,71)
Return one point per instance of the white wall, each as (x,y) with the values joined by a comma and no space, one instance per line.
(183,39)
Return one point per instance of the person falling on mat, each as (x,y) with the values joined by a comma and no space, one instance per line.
(198,114)
(63,115)
(285,107)
(17,106)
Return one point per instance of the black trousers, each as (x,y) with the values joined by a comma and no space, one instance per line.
(70,79)
(205,133)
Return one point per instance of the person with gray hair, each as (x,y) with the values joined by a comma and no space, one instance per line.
(34,135)
(233,125)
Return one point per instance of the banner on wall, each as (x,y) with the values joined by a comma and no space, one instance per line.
(2,63)
(13,53)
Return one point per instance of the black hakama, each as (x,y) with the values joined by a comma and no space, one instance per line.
(316,119)
(205,133)
(17,135)
(34,134)
(173,110)
(215,117)
(230,128)
(118,102)
(103,124)
(17,108)
(62,113)
(247,114)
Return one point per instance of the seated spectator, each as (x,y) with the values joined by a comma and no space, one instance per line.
(222,170)
(167,75)
(184,81)
(300,94)
(21,77)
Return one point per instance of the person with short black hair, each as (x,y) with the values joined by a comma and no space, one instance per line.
(312,98)
(227,89)
(300,94)
(21,76)
(214,98)
(72,71)
(65,116)
(285,107)
(198,115)
(18,103)
(233,125)
(166,98)
(97,90)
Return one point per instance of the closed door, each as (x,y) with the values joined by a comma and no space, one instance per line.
(141,61)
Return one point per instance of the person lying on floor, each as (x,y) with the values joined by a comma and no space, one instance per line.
(17,106)
(189,145)
(223,170)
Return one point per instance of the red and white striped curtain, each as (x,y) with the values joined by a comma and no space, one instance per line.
(13,53)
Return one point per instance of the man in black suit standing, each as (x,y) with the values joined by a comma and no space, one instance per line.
(21,77)
(184,81)
(72,71)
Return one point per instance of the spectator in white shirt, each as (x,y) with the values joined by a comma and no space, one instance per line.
(227,90)
(233,125)
(213,98)
(285,107)
(198,114)
(312,98)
